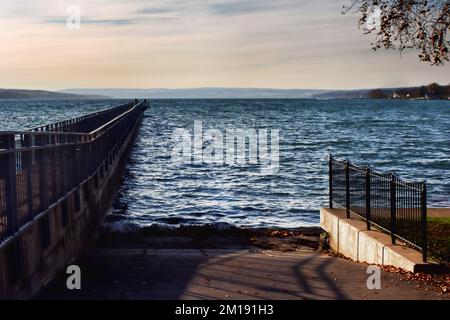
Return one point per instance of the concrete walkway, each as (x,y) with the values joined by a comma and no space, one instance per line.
(228,274)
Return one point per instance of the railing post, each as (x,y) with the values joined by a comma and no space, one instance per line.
(28,159)
(423,204)
(368,209)
(52,154)
(43,172)
(73,161)
(347,188)
(393,208)
(8,164)
(330,186)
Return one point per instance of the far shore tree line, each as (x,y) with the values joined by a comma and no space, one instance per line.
(432,91)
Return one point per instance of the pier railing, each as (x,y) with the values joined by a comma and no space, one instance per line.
(85,123)
(39,167)
(383,200)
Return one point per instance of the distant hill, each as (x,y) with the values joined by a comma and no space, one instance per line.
(343,94)
(45,95)
(432,91)
(200,93)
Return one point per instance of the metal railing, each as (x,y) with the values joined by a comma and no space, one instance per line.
(85,123)
(39,167)
(381,199)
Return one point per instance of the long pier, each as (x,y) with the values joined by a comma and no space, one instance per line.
(56,184)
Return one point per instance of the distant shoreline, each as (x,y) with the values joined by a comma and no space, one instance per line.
(19,94)
(433,91)
(82,98)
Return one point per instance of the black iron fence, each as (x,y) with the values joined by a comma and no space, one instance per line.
(39,167)
(381,199)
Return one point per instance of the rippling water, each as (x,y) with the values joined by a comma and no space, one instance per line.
(410,137)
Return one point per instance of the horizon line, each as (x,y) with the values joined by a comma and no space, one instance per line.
(248,88)
(220,87)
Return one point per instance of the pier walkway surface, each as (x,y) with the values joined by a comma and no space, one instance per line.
(243,272)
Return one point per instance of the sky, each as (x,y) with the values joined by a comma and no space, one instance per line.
(197,43)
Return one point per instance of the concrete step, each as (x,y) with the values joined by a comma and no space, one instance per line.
(350,237)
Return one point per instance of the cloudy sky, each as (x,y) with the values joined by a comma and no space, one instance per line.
(196,43)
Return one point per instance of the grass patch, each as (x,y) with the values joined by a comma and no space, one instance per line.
(439,238)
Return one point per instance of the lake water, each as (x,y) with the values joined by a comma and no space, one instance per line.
(410,137)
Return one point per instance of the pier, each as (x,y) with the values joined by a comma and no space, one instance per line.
(56,184)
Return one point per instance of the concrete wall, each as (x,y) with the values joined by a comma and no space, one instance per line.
(59,235)
(351,238)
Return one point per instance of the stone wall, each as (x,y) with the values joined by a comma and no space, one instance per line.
(350,237)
